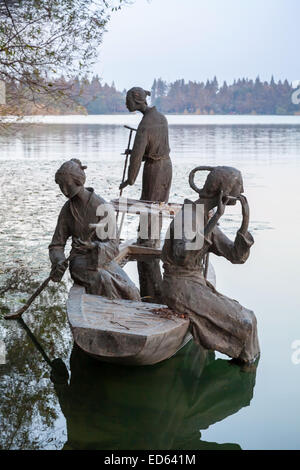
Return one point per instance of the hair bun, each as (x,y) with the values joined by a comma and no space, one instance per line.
(75,160)
(139,94)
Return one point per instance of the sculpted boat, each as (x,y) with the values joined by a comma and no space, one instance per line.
(125,331)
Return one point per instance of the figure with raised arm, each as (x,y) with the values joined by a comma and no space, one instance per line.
(217,322)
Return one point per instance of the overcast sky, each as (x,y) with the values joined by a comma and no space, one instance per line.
(197,39)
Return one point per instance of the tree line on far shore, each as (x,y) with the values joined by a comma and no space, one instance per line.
(90,96)
(243,96)
(75,96)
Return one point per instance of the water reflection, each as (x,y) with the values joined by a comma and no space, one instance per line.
(160,407)
(105,406)
(30,416)
(112,407)
(96,142)
(59,371)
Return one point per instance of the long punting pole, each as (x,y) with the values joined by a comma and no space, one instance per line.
(119,230)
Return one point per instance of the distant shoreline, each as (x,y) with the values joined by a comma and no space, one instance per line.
(138,114)
(166,114)
(173,120)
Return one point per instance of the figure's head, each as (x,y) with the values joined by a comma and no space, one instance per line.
(220,178)
(136,99)
(71,177)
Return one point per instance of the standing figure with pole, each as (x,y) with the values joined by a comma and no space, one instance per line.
(151,145)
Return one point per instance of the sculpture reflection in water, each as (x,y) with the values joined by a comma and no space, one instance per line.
(30,413)
(163,407)
(110,407)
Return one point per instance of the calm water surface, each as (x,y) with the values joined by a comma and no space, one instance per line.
(195,400)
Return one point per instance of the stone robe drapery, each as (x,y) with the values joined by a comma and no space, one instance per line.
(151,145)
(217,322)
(93,269)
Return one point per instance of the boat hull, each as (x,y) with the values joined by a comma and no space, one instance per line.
(124,331)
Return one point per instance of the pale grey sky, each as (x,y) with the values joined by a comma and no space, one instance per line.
(197,39)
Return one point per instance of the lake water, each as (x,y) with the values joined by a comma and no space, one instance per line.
(194,400)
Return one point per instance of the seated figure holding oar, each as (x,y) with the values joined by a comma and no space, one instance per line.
(217,322)
(92,262)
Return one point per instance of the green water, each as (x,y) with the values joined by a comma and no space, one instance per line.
(195,400)
(104,406)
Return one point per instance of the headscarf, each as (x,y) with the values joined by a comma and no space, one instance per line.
(74,168)
(139,94)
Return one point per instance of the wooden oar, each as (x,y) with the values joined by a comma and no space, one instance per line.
(19,313)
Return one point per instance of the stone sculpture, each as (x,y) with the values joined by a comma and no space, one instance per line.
(217,322)
(92,262)
(151,145)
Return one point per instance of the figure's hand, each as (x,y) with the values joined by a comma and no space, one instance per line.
(123,185)
(223,200)
(83,246)
(127,152)
(58,271)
